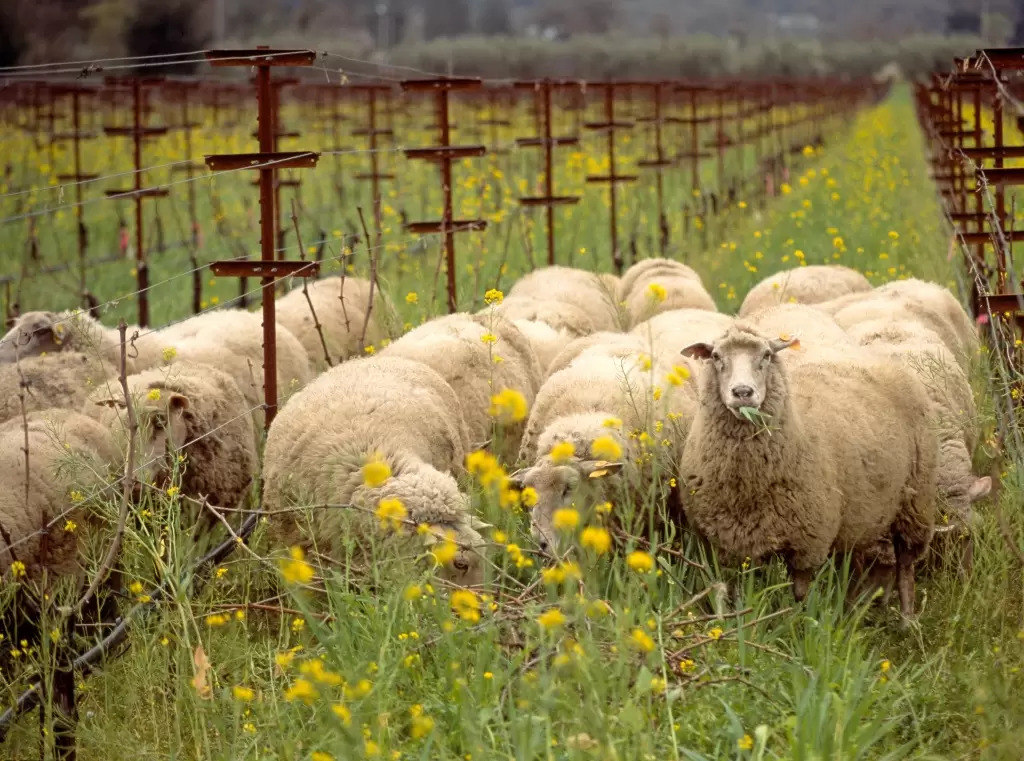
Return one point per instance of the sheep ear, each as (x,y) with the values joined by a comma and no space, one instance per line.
(778,344)
(698,351)
(600,468)
(980,488)
(178,403)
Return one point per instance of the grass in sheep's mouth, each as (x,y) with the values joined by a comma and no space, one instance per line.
(758,418)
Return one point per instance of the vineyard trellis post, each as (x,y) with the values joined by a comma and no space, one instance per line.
(372,133)
(660,162)
(182,89)
(269,269)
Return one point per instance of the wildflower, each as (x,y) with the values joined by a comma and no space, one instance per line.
(168,354)
(551,619)
(612,422)
(715,633)
(412,297)
(242,694)
(604,508)
(249,727)
(298,624)
(342,712)
(606,448)
(376,472)
(641,640)
(135,587)
(296,570)
(561,452)
(301,689)
(597,539)
(216,619)
(371,749)
(565,519)
(640,561)
(70,526)
(221,572)
(679,375)
(319,755)
(390,513)
(318,673)
(173,490)
(76,496)
(494,296)
(369,349)
(488,675)
(489,338)
(421,725)
(445,552)
(508,405)
(528,497)
(745,743)
(658,684)
(153,395)
(885,666)
(466,605)
(657,291)
(893,235)
(412,592)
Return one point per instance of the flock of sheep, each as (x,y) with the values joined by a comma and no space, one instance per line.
(826,416)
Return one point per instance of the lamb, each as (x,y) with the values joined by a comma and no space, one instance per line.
(341,309)
(546,341)
(646,271)
(478,356)
(37,333)
(584,290)
(187,409)
(68,452)
(804,285)
(389,408)
(559,315)
(846,458)
(623,415)
(62,379)
(664,294)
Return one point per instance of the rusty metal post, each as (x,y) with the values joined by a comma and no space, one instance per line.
(373,134)
(268,162)
(659,163)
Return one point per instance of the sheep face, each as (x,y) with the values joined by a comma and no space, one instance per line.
(741,362)
(162,431)
(33,334)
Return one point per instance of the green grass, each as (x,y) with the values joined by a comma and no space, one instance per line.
(753,677)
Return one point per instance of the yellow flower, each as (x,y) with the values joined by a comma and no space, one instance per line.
(376,472)
(296,570)
(76,496)
(135,587)
(657,291)
(390,513)
(369,349)
(640,562)
(565,519)
(17,568)
(597,539)
(421,726)
(70,526)
(169,353)
(508,405)
(371,749)
(303,690)
(154,395)
(243,694)
(319,755)
(411,297)
(494,296)
(612,422)
(679,375)
(641,640)
(745,743)
(885,666)
(217,619)
(466,605)
(894,235)
(412,592)
(551,619)
(606,448)
(715,633)
(172,490)
(489,338)
(342,712)
(528,497)
(445,552)
(561,453)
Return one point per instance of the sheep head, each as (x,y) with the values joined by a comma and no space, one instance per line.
(741,362)
(33,333)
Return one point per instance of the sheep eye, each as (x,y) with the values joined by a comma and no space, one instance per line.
(767,356)
(716,356)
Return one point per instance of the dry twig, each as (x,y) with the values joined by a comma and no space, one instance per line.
(305,288)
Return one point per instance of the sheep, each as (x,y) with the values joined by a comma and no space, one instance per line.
(804,285)
(603,342)
(919,301)
(601,396)
(672,330)
(62,379)
(37,333)
(387,407)
(818,335)
(455,346)
(844,457)
(953,411)
(67,451)
(546,341)
(565,285)
(341,307)
(646,271)
(665,294)
(187,409)
(559,315)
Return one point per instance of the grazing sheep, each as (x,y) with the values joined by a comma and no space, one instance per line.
(665,294)
(477,369)
(668,332)
(646,271)
(37,333)
(389,408)
(804,285)
(341,308)
(818,336)
(546,341)
(925,303)
(62,379)
(602,342)
(584,290)
(598,397)
(559,315)
(67,452)
(846,457)
(187,409)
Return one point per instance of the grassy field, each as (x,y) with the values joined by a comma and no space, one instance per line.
(607,658)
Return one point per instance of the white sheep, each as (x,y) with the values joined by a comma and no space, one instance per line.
(804,285)
(839,455)
(546,341)
(603,342)
(818,335)
(585,290)
(559,315)
(62,379)
(37,333)
(341,306)
(391,410)
(646,271)
(667,333)
(479,356)
(665,294)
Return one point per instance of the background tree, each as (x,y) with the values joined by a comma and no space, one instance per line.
(165,26)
